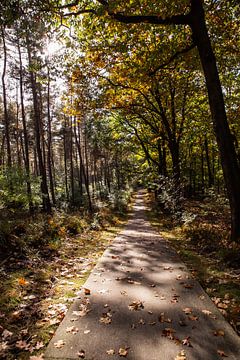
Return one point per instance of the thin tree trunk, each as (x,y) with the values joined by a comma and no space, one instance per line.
(5,107)
(49,142)
(25,132)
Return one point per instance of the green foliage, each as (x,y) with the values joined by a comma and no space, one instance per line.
(13,190)
(120,199)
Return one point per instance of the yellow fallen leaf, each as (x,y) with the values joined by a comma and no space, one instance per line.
(181,356)
(122,352)
(110,352)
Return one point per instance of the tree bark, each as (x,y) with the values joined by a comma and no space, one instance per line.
(5,107)
(37,124)
(25,132)
(224,137)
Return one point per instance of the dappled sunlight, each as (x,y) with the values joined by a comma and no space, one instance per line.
(141,298)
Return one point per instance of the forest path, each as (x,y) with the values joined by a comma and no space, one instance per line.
(144,305)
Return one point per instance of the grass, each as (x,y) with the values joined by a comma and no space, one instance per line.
(203,244)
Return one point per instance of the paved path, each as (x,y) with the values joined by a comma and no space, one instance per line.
(143,301)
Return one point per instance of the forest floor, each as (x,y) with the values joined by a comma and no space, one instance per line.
(203,243)
(38,287)
(38,284)
(141,302)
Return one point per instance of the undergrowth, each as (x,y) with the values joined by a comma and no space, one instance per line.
(44,262)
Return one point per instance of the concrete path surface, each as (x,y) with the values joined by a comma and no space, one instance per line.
(141,303)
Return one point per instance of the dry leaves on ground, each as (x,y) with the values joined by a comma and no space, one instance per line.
(136,305)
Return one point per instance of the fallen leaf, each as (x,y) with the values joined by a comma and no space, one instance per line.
(72,329)
(81,354)
(130,281)
(37,357)
(6,334)
(169,332)
(110,352)
(187,311)
(136,305)
(152,323)
(59,344)
(222,353)
(22,344)
(162,318)
(206,312)
(22,282)
(123,292)
(181,356)
(188,286)
(123,352)
(105,320)
(39,345)
(87,291)
(222,306)
(87,331)
(186,341)
(219,332)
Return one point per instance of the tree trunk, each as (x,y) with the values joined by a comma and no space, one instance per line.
(49,142)
(37,125)
(6,116)
(25,132)
(224,137)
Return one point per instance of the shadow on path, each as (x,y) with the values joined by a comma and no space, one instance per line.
(143,298)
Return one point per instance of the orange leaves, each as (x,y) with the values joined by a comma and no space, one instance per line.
(22,282)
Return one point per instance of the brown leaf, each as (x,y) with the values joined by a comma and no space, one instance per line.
(219,332)
(136,305)
(187,311)
(188,286)
(206,312)
(222,306)
(87,291)
(130,281)
(105,318)
(72,329)
(22,344)
(222,353)
(186,341)
(81,354)
(162,319)
(123,352)
(59,344)
(39,345)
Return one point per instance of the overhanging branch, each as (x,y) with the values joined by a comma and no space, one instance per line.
(172,58)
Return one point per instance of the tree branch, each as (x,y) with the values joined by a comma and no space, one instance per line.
(150,19)
(172,58)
